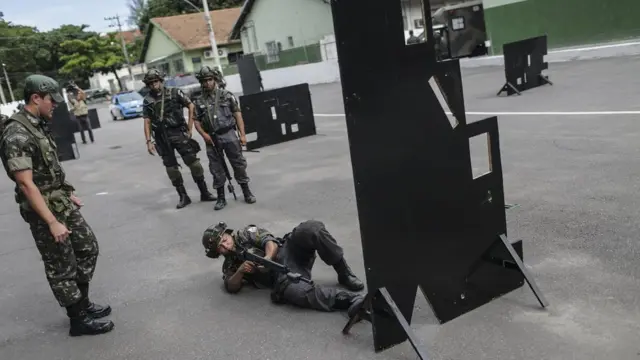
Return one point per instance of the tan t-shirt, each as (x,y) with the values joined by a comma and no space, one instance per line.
(79,108)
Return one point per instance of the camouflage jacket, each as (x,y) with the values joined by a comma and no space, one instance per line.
(254,239)
(205,108)
(26,144)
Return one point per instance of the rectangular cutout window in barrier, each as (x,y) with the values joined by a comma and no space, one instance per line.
(480,157)
(524,65)
(448,227)
(278,115)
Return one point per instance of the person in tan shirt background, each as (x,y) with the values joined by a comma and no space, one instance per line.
(77,99)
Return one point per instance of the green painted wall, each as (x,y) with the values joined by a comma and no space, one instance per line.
(199,53)
(566,22)
(304,21)
(160,45)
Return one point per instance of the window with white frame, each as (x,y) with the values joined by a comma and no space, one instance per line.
(272,52)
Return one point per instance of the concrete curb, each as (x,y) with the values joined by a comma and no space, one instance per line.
(564,55)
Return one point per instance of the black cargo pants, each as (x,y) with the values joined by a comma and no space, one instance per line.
(299,254)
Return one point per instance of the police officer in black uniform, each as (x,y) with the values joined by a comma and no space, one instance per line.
(217,124)
(164,120)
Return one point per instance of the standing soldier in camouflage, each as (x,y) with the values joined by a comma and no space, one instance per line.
(297,250)
(67,244)
(217,117)
(164,119)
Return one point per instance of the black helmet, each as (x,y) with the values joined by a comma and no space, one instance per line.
(211,238)
(208,73)
(152,75)
(205,73)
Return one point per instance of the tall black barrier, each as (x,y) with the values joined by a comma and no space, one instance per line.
(249,75)
(63,129)
(439,229)
(278,115)
(523,65)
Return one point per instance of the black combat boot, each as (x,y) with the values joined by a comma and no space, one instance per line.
(184,197)
(248,196)
(348,301)
(82,324)
(95,311)
(205,195)
(222,202)
(346,277)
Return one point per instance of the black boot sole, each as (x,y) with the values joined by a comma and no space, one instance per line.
(183,205)
(80,332)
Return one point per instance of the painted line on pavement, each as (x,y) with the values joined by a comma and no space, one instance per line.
(530,113)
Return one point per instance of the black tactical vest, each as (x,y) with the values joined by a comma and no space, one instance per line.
(172,111)
(224,121)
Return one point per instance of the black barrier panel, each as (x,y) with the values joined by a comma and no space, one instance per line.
(94,120)
(249,75)
(278,115)
(63,128)
(523,65)
(424,220)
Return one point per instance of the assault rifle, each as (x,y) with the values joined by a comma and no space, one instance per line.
(216,149)
(246,255)
(159,132)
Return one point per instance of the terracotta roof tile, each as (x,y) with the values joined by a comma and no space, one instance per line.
(190,30)
(129,36)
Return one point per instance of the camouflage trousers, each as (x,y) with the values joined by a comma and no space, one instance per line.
(68,263)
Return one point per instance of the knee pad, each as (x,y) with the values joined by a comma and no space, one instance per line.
(174,175)
(310,226)
(196,168)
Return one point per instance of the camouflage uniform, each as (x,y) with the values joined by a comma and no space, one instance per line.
(27,144)
(221,127)
(297,250)
(165,111)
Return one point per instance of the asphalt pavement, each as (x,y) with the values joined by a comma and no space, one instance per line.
(573,177)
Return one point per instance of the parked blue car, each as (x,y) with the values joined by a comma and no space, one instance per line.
(126,105)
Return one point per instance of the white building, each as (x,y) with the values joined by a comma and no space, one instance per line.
(110,83)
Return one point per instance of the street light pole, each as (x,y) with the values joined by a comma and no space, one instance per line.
(4,101)
(212,36)
(6,77)
(124,45)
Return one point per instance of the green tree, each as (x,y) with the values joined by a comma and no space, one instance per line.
(24,50)
(85,57)
(18,51)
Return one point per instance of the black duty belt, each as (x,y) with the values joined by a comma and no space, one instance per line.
(224,130)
